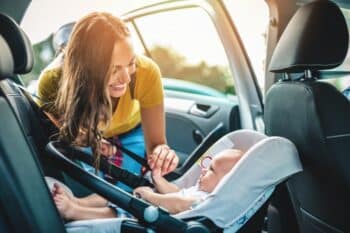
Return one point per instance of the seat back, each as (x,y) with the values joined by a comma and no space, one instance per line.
(25,201)
(314,116)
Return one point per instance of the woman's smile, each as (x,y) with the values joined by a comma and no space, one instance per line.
(117,87)
(116,90)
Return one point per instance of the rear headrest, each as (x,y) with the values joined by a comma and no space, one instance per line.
(61,36)
(19,44)
(6,60)
(316,38)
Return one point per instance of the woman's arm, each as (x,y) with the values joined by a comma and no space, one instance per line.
(159,155)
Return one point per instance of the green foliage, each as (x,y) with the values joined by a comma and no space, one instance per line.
(43,54)
(174,65)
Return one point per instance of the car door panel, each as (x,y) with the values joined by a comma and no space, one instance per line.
(186,128)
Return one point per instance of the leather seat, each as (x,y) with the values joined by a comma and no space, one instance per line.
(314,115)
(26,203)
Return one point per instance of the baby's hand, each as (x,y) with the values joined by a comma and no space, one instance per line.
(163,158)
(143,192)
(156,174)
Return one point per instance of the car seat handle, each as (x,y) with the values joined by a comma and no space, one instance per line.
(160,221)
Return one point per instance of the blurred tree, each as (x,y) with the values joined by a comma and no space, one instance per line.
(174,65)
(43,55)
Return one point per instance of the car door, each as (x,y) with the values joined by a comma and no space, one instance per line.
(198,83)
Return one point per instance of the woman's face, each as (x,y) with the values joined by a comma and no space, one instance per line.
(122,67)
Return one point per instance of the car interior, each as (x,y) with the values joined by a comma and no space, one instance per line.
(311,37)
(23,206)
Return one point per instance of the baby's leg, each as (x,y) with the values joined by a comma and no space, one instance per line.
(66,207)
(95,226)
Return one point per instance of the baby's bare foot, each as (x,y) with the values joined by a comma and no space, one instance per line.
(57,189)
(66,207)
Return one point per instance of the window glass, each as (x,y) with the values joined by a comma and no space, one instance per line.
(251,19)
(185,45)
(43,55)
(138,47)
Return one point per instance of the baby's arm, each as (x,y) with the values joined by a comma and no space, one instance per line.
(161,184)
(173,203)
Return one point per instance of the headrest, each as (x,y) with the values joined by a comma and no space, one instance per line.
(61,36)
(6,60)
(19,44)
(316,38)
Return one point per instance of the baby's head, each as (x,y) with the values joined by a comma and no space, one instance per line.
(219,167)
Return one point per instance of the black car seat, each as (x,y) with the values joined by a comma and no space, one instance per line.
(314,115)
(25,202)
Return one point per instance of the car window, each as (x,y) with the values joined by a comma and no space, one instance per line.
(251,19)
(43,55)
(136,40)
(185,45)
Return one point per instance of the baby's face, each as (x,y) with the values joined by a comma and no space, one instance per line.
(219,167)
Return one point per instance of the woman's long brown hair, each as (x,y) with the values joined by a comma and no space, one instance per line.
(83,101)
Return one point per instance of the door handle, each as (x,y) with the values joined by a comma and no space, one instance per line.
(203,110)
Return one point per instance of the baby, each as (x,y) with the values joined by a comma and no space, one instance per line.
(170,197)
(167,195)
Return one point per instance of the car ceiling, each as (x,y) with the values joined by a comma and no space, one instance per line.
(341,3)
(14,8)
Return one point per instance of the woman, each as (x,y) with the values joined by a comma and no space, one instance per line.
(90,99)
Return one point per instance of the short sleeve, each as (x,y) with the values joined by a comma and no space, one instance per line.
(148,88)
(47,89)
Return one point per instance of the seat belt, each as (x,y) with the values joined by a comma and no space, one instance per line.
(131,154)
(116,172)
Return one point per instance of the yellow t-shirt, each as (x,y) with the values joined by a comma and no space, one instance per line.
(148,92)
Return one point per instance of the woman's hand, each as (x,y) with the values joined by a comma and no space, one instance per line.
(163,158)
(107,149)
